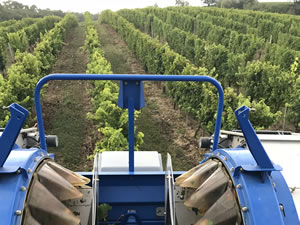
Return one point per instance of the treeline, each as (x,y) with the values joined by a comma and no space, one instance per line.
(13,10)
(24,74)
(22,35)
(199,100)
(277,7)
(111,120)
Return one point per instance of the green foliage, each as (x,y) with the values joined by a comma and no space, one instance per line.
(13,10)
(18,40)
(111,119)
(206,41)
(263,117)
(238,4)
(249,51)
(181,3)
(261,80)
(294,103)
(112,140)
(2,53)
(22,78)
(24,74)
(275,7)
(23,34)
(4,115)
(103,210)
(34,31)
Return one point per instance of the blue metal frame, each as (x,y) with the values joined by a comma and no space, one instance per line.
(12,130)
(255,146)
(15,177)
(260,194)
(263,194)
(132,102)
(131,97)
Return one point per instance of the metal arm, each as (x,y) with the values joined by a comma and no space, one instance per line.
(12,130)
(254,144)
(128,78)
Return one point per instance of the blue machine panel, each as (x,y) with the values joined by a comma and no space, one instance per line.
(14,185)
(263,195)
(142,193)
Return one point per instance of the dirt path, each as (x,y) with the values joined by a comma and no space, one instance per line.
(165,128)
(65,106)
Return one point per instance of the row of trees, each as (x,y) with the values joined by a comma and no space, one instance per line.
(6,28)
(197,99)
(13,10)
(22,35)
(24,74)
(252,45)
(268,27)
(259,80)
(22,39)
(111,120)
(270,81)
(277,7)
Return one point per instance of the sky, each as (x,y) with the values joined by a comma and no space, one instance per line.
(95,6)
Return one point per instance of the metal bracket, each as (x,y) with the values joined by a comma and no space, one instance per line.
(250,168)
(131,89)
(9,169)
(256,148)
(131,97)
(12,130)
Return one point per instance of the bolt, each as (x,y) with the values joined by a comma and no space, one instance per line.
(238,186)
(241,169)
(245,209)
(18,212)
(274,185)
(23,188)
(218,154)
(281,207)
(48,154)
(231,169)
(18,171)
(35,159)
(225,158)
(29,170)
(42,154)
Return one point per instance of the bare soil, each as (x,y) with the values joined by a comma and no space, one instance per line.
(66,104)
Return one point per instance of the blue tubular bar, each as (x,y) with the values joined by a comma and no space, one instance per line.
(131,134)
(127,78)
